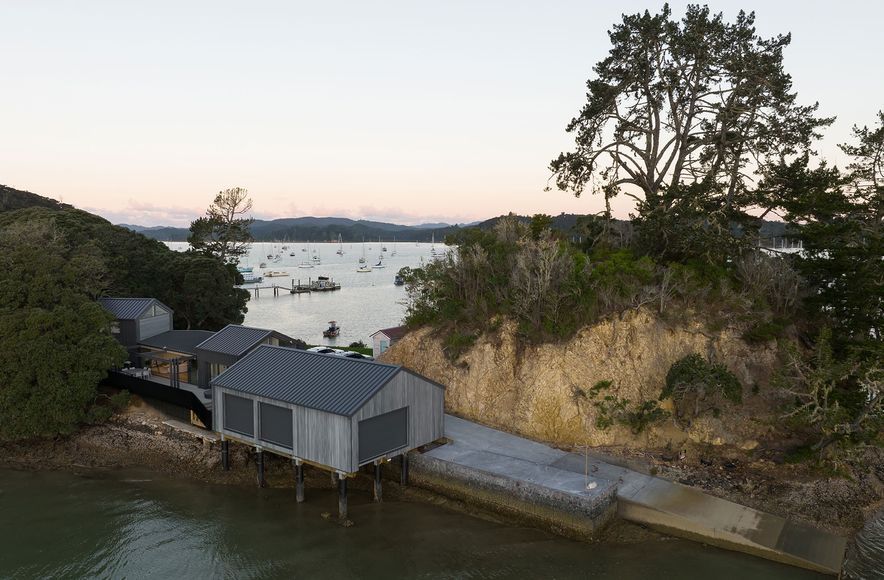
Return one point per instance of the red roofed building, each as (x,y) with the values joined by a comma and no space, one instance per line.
(384,339)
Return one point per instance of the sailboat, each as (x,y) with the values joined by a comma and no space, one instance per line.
(340,251)
(316,258)
(393,253)
(305,263)
(383,247)
(433,245)
(362,258)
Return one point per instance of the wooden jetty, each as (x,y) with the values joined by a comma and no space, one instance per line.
(323,284)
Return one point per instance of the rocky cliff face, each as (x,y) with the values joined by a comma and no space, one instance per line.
(538,391)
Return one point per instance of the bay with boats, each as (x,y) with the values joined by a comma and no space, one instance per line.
(353,284)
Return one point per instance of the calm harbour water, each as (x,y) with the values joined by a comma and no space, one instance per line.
(366,302)
(137,525)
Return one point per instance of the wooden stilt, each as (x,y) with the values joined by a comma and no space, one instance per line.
(377,482)
(403,473)
(342,496)
(260,462)
(299,481)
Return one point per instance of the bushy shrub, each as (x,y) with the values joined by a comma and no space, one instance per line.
(697,386)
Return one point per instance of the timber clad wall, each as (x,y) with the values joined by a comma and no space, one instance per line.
(411,410)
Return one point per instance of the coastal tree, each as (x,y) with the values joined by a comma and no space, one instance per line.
(55,341)
(838,218)
(224,232)
(139,266)
(682,116)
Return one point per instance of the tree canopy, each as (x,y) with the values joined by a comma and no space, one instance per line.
(224,231)
(55,344)
(199,288)
(683,116)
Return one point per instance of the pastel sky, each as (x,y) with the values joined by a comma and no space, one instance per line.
(407,111)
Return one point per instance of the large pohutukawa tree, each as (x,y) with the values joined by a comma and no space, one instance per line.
(682,116)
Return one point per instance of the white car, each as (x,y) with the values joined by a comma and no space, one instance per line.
(326,350)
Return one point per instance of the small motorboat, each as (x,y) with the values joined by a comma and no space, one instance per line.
(363,268)
(262,265)
(380,264)
(275,274)
(332,331)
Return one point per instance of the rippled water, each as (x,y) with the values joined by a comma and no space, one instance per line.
(366,302)
(135,525)
(865,558)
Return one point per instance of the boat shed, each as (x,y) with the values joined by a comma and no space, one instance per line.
(334,412)
(230,344)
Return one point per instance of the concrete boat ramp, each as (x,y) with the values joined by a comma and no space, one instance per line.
(577,497)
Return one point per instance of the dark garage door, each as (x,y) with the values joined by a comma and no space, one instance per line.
(276,424)
(238,414)
(384,433)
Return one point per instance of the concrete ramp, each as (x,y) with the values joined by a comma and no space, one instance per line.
(516,463)
(687,512)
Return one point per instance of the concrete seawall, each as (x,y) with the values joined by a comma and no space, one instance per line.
(578,516)
(576,496)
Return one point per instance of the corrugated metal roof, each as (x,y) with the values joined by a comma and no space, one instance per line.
(234,339)
(323,382)
(128,308)
(184,341)
(394,333)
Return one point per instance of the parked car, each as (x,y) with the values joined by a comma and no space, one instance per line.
(326,350)
(348,354)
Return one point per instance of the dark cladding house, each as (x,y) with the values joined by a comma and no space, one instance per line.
(137,318)
(228,345)
(330,411)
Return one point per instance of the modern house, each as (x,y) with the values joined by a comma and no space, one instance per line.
(137,318)
(228,345)
(333,412)
(384,339)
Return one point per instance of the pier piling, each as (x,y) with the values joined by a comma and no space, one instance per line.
(260,461)
(342,496)
(299,481)
(377,481)
(225,455)
(403,473)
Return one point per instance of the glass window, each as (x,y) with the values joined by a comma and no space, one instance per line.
(385,344)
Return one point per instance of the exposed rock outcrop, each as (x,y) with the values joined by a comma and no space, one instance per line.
(540,391)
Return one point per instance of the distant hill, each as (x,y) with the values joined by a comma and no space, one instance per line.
(326,229)
(13,199)
(316,229)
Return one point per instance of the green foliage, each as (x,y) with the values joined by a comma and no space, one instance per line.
(224,231)
(697,386)
(611,410)
(357,344)
(456,344)
(647,129)
(200,289)
(55,343)
(836,398)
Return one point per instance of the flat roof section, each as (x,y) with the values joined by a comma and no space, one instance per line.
(183,341)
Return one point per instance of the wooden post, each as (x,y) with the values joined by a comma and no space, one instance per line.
(260,461)
(377,481)
(299,480)
(342,496)
(403,473)
(225,455)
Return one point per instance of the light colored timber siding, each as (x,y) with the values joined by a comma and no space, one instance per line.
(318,437)
(425,402)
